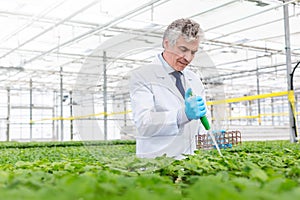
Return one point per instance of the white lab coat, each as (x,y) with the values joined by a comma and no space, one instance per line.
(156,105)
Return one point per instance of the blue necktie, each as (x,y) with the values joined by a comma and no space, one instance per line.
(177,75)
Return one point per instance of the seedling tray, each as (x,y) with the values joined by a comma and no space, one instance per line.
(224,139)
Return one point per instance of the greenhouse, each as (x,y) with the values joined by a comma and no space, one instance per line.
(69,120)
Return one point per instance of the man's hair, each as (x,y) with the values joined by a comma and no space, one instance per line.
(189,29)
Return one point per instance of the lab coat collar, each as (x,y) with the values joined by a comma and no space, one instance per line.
(165,79)
(161,73)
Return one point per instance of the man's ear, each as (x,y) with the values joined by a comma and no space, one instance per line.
(165,44)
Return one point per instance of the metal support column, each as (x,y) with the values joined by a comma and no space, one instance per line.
(258,92)
(296,106)
(288,68)
(272,110)
(30,109)
(105,94)
(71,115)
(230,113)
(247,110)
(54,130)
(250,112)
(125,109)
(8,115)
(61,106)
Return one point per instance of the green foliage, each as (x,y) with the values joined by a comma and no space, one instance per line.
(110,170)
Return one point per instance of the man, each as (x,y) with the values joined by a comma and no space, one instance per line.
(166,116)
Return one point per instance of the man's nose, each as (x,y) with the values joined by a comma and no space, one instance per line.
(188,56)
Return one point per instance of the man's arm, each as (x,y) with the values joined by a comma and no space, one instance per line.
(149,120)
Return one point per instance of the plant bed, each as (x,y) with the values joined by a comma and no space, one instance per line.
(250,170)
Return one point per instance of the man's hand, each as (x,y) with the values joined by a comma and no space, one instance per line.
(194,106)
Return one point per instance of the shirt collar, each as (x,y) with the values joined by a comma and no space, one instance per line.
(166,66)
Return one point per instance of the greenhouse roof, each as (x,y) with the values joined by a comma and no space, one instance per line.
(46,45)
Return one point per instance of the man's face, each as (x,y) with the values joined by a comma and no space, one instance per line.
(181,54)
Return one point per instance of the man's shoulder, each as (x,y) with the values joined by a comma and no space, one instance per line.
(190,73)
(147,68)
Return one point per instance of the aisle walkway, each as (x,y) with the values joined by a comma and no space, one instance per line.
(260,133)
